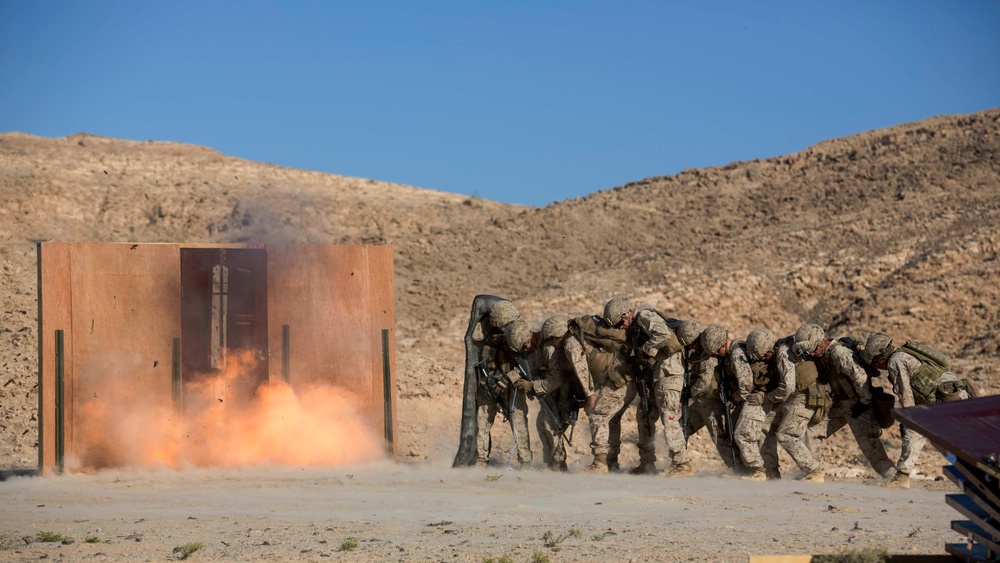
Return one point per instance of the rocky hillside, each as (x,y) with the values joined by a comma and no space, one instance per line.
(895,230)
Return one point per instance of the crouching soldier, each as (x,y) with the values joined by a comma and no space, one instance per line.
(919,375)
(504,369)
(659,357)
(605,344)
(710,390)
(484,337)
(749,365)
(851,389)
(565,388)
(806,406)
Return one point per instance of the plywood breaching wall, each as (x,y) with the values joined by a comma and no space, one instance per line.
(118,306)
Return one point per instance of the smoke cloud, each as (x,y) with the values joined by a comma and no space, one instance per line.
(226,421)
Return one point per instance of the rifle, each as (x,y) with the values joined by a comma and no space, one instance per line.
(685,420)
(727,416)
(491,391)
(495,394)
(642,379)
(556,421)
(574,414)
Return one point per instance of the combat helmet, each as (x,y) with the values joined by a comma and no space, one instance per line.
(688,331)
(713,338)
(503,313)
(806,339)
(760,341)
(517,335)
(555,326)
(615,309)
(876,347)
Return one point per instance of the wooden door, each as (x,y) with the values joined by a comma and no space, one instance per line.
(223,310)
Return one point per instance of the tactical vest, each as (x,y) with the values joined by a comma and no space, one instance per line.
(806,373)
(933,363)
(810,382)
(765,376)
(840,384)
(606,349)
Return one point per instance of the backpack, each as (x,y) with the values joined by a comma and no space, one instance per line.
(606,349)
(933,363)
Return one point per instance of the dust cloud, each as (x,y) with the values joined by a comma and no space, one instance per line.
(226,421)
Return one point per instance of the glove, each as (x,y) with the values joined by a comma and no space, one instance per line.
(524,386)
(755,399)
(644,359)
(858,409)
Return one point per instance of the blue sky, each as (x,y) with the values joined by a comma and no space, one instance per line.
(519,102)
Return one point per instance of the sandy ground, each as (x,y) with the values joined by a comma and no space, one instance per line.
(399,512)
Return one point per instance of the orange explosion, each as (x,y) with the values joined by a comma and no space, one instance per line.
(226,421)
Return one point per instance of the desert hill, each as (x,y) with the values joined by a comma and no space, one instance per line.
(893,230)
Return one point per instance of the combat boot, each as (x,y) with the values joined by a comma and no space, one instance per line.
(815,476)
(599,465)
(643,469)
(482,463)
(613,466)
(681,470)
(525,466)
(772,473)
(558,466)
(758,475)
(899,481)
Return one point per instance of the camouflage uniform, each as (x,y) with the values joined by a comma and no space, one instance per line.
(852,396)
(658,343)
(502,363)
(901,368)
(707,410)
(566,384)
(794,416)
(758,449)
(490,314)
(606,421)
(606,349)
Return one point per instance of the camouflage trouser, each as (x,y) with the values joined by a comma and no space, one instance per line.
(709,412)
(866,433)
(756,436)
(606,420)
(793,432)
(553,449)
(646,422)
(667,392)
(913,442)
(486,412)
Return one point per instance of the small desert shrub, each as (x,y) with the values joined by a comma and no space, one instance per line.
(350,544)
(186,550)
(50,537)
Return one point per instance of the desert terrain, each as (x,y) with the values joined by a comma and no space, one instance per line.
(893,230)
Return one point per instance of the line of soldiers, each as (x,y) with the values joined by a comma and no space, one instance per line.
(750,395)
